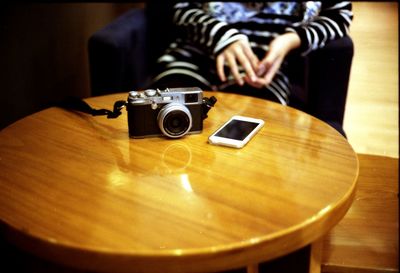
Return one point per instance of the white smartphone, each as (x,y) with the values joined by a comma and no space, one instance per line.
(236,132)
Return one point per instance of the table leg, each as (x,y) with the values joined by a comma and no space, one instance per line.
(316,256)
(252,268)
(304,260)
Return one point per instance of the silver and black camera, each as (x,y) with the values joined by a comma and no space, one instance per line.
(172,112)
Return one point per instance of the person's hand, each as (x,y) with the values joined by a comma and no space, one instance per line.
(278,49)
(238,53)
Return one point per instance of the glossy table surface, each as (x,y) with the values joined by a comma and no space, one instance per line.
(77,190)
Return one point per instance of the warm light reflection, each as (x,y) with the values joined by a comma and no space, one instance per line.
(178,252)
(324,210)
(116,178)
(176,157)
(321,213)
(254,240)
(186,183)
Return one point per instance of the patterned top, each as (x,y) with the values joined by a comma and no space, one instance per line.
(214,25)
(204,29)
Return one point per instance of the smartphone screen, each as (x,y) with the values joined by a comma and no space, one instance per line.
(236,132)
(237,129)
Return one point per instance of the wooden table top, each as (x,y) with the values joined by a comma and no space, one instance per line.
(77,190)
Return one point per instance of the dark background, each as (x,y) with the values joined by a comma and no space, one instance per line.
(43,53)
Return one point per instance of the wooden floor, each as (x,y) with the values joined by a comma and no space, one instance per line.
(371,118)
(367,239)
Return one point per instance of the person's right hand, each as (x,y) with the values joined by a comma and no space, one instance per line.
(238,52)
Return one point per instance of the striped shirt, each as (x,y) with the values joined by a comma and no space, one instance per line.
(205,29)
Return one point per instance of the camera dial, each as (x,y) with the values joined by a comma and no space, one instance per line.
(134,94)
(174,120)
(150,92)
(136,97)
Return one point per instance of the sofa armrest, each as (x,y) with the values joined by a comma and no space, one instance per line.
(320,81)
(331,66)
(117,54)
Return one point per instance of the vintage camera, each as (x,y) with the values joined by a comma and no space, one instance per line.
(172,112)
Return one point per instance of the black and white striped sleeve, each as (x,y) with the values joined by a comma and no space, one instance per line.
(331,23)
(200,28)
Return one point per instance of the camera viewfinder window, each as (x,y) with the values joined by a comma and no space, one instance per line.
(191,98)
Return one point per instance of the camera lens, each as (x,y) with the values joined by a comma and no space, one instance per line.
(174,120)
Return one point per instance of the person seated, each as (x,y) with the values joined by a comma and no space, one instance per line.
(243,47)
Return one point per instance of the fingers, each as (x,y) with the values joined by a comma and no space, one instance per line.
(257,73)
(251,57)
(268,69)
(250,63)
(247,66)
(266,76)
(278,49)
(231,60)
(266,64)
(220,67)
(238,53)
(258,83)
(272,71)
(270,65)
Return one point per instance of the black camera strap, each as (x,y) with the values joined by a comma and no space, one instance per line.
(77,104)
(208,103)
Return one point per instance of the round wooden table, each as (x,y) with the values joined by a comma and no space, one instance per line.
(75,189)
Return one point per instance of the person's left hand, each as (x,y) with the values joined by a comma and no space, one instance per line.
(278,49)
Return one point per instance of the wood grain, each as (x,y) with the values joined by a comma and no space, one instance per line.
(371,119)
(367,239)
(77,190)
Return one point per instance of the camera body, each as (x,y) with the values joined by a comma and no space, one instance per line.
(172,112)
